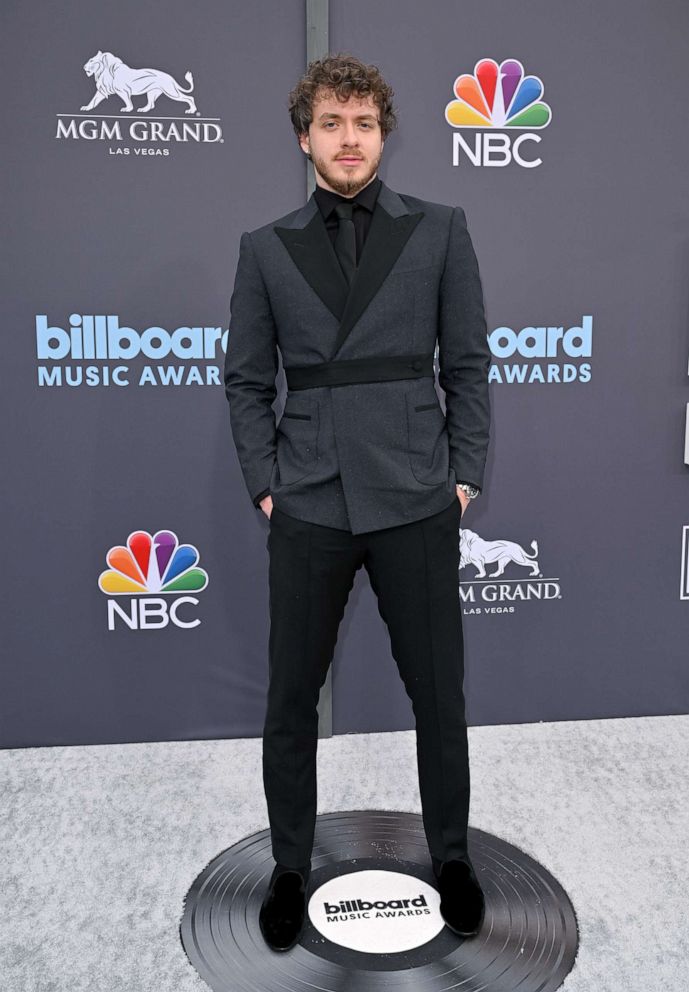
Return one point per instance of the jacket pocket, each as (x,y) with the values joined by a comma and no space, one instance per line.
(429,450)
(297,439)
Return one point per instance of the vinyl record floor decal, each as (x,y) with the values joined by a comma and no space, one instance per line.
(373,919)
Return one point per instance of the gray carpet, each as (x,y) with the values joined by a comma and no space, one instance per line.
(100,844)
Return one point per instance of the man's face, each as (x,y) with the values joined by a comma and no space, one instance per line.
(345,142)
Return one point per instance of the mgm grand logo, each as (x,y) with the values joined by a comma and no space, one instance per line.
(489,592)
(116,86)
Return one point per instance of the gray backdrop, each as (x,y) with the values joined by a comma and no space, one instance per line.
(591,469)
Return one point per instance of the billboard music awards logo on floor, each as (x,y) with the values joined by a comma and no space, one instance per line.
(146,570)
(116,84)
(376,911)
(497,98)
(482,594)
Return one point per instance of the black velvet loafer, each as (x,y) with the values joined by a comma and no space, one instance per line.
(283,910)
(462,904)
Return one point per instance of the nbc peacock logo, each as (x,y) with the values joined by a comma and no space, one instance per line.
(147,569)
(497,97)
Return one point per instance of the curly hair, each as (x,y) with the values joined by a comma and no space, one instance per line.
(342,75)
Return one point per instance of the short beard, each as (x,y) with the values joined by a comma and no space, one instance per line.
(346,187)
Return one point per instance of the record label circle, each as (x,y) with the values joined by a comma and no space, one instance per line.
(376,912)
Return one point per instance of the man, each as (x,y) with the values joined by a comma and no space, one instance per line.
(363,468)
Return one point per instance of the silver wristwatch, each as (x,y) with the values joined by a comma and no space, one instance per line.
(469,490)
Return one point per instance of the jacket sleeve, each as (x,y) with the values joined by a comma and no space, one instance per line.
(251,365)
(464,355)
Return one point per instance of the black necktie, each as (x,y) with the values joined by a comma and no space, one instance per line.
(345,242)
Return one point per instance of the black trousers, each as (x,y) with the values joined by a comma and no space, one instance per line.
(414,572)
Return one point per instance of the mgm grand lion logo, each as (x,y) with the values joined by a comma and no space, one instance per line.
(476,551)
(487,592)
(113,77)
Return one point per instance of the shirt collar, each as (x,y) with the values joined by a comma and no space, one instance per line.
(327,200)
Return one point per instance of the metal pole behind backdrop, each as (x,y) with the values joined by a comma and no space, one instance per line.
(316,48)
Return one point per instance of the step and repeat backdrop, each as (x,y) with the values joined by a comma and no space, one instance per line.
(140,142)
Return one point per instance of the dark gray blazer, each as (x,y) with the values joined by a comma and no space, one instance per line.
(367,455)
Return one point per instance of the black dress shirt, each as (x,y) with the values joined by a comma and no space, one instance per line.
(364,204)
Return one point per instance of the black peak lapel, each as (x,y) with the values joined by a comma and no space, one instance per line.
(312,251)
(387,236)
(308,242)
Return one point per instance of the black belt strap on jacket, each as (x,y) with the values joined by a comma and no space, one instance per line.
(348,371)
